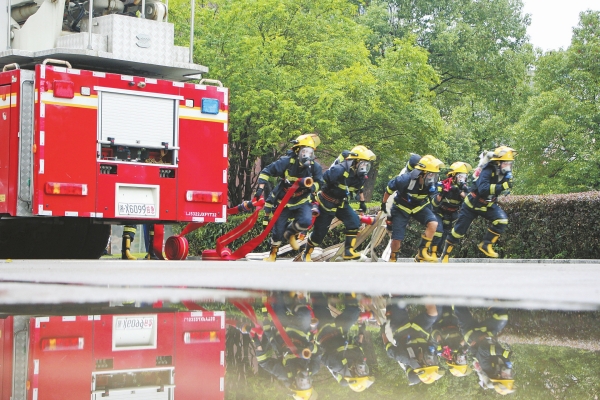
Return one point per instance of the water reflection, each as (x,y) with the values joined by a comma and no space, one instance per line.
(295,345)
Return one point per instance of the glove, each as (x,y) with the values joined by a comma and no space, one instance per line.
(362,207)
(258,193)
(464,187)
(384,207)
(507,184)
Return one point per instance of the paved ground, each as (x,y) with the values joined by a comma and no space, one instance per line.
(549,285)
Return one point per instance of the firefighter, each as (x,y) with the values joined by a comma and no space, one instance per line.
(149,239)
(412,200)
(450,344)
(129,232)
(493,178)
(298,164)
(492,361)
(293,367)
(343,357)
(451,194)
(341,182)
(407,340)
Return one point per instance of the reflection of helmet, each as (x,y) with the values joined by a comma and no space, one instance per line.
(310,140)
(504,153)
(361,383)
(360,152)
(430,374)
(503,386)
(308,394)
(429,163)
(459,370)
(459,167)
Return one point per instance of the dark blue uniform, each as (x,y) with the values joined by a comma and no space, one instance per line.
(340,183)
(288,169)
(481,201)
(446,210)
(412,200)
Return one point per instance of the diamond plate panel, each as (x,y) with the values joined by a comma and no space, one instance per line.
(137,39)
(26,144)
(20,357)
(81,40)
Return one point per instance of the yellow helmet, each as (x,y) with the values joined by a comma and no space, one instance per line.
(361,383)
(459,370)
(503,386)
(430,374)
(504,153)
(360,152)
(308,394)
(459,167)
(309,140)
(429,163)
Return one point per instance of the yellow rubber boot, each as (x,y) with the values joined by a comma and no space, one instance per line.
(393,257)
(423,255)
(126,249)
(306,254)
(448,247)
(485,246)
(273,255)
(349,252)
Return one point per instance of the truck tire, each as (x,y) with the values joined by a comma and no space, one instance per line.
(56,238)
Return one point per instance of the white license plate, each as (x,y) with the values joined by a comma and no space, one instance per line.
(130,323)
(137,209)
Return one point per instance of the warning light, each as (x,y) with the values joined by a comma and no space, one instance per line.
(203,197)
(64,89)
(210,106)
(75,189)
(54,344)
(200,337)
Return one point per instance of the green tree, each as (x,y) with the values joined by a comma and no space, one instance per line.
(560,128)
(296,67)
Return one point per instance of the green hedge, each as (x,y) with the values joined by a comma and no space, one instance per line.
(540,227)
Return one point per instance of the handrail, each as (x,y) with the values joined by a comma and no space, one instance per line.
(14,65)
(214,81)
(55,61)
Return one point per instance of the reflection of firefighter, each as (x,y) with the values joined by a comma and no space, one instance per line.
(412,201)
(451,194)
(129,232)
(407,340)
(297,164)
(494,178)
(492,361)
(450,345)
(342,357)
(342,181)
(286,349)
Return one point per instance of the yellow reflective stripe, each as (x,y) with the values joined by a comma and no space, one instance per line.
(268,354)
(317,186)
(419,196)
(500,221)
(506,353)
(493,350)
(387,346)
(468,203)
(300,202)
(492,189)
(456,235)
(402,328)
(417,340)
(338,378)
(390,191)
(501,317)
(292,161)
(346,174)
(264,177)
(452,201)
(334,209)
(438,234)
(128,229)
(344,361)
(412,210)
(302,334)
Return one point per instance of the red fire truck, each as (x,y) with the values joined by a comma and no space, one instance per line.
(150,356)
(99,125)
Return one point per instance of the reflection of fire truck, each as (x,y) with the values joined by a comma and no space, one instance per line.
(151,356)
(97,126)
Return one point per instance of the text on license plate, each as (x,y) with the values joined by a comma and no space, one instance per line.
(136,209)
(134,323)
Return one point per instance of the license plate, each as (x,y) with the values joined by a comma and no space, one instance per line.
(137,209)
(133,323)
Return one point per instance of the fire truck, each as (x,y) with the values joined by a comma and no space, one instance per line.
(133,356)
(100,125)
